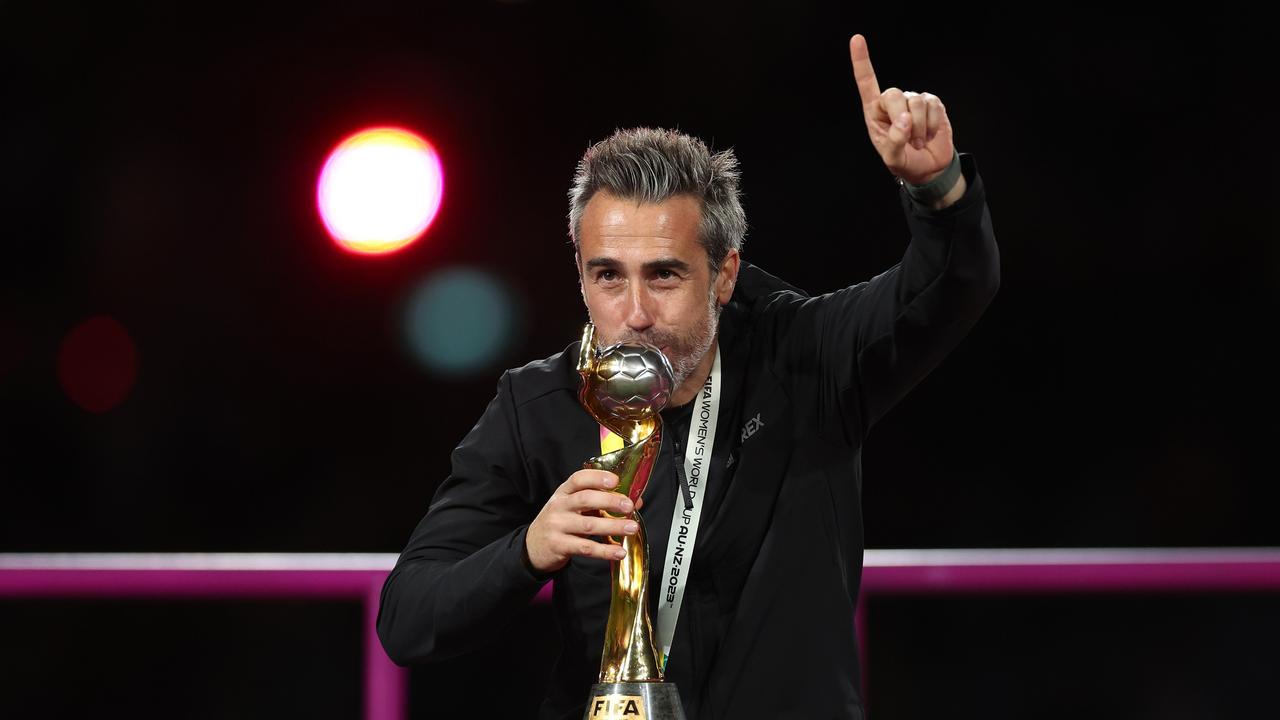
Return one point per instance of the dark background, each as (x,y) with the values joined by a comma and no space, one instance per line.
(1120,391)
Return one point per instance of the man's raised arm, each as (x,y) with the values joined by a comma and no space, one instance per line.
(861,349)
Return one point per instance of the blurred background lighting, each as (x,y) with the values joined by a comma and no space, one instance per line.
(459,321)
(97,364)
(379,190)
(13,346)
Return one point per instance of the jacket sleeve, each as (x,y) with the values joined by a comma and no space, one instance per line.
(462,575)
(862,348)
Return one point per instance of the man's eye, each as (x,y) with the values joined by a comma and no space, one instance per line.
(607,276)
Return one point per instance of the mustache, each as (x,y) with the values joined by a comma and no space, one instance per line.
(656,339)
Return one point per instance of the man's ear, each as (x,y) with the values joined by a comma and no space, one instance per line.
(727,277)
(577,266)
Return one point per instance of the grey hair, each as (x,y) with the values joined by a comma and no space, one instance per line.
(651,165)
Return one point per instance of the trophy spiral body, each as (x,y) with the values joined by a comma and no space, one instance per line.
(624,387)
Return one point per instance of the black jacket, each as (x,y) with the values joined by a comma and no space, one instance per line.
(767,625)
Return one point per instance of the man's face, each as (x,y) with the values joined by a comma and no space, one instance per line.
(645,277)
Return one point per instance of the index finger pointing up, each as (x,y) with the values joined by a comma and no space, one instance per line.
(863,73)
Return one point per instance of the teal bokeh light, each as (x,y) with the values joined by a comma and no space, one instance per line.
(459,321)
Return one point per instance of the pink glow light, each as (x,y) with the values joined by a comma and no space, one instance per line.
(379,190)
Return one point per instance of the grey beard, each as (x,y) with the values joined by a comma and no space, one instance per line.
(684,365)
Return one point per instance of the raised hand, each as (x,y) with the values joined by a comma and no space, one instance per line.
(909,130)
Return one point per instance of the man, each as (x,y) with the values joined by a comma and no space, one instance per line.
(780,390)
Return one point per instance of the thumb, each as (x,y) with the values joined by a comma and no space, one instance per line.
(899,133)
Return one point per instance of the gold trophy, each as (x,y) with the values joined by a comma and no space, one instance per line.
(624,387)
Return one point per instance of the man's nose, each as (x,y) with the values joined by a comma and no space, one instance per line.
(639,316)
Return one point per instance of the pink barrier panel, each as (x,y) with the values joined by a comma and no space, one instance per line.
(1065,571)
(355,577)
(359,577)
(1071,571)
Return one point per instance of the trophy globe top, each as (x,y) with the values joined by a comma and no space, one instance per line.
(633,381)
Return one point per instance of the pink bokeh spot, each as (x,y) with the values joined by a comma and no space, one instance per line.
(97,364)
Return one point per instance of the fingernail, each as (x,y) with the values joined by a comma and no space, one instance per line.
(625,505)
(632,528)
(903,122)
(918,144)
(619,554)
(610,481)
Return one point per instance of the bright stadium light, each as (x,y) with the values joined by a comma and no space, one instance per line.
(379,190)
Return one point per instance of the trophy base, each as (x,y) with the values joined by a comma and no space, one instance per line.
(634,701)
